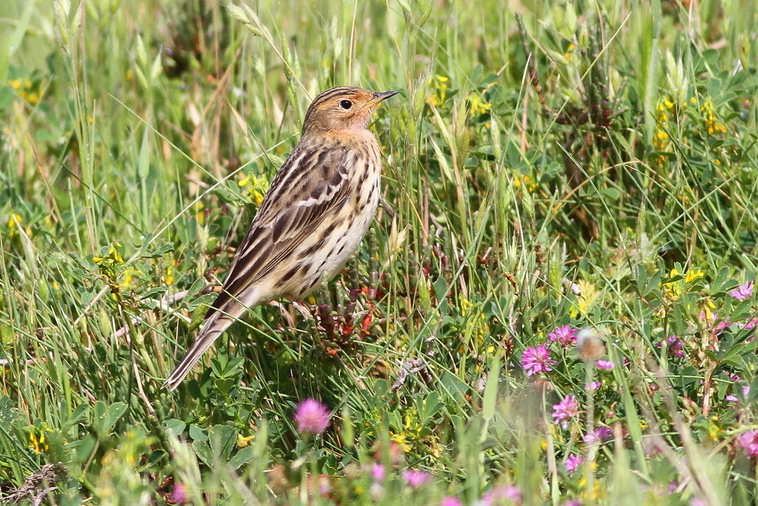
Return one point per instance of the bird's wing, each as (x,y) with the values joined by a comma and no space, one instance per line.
(308,188)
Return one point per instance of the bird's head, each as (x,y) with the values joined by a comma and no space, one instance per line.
(343,109)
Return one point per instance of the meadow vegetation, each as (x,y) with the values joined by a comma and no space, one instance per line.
(554,305)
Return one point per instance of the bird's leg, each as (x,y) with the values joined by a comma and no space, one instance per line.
(289,318)
(304,309)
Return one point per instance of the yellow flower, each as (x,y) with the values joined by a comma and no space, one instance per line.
(110,263)
(710,119)
(200,212)
(32,98)
(243,441)
(400,440)
(464,304)
(478,106)
(714,431)
(597,491)
(14,221)
(114,253)
(708,313)
(257,197)
(38,440)
(168,277)
(257,187)
(692,275)
(438,84)
(129,275)
(520,180)
(674,289)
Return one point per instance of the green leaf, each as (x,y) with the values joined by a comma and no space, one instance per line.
(722,282)
(203,452)
(197,433)
(454,387)
(490,390)
(175,426)
(429,406)
(440,288)
(143,162)
(222,439)
(105,418)
(241,457)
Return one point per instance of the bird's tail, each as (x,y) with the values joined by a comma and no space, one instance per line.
(214,326)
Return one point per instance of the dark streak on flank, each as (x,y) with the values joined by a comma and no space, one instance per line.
(287,276)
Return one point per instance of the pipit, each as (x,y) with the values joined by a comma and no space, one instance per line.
(312,219)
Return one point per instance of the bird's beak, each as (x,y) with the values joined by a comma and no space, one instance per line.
(380,96)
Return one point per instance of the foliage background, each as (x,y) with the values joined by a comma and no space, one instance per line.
(549,164)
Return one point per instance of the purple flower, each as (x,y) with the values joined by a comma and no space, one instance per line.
(415,478)
(604,365)
(451,501)
(717,325)
(565,335)
(749,441)
(572,502)
(599,435)
(743,292)
(377,472)
(675,346)
(324,487)
(749,325)
(565,410)
(573,462)
(508,492)
(178,495)
(536,359)
(312,417)
(592,386)
(734,398)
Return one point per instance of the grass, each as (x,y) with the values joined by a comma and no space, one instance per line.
(586,169)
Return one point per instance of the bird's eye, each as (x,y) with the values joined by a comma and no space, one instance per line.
(346,104)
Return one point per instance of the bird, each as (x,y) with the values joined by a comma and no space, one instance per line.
(313,217)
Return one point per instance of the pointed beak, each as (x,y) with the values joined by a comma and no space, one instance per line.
(383,95)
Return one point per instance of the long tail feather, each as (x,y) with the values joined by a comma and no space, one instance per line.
(214,327)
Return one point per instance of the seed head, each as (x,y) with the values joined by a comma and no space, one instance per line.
(589,344)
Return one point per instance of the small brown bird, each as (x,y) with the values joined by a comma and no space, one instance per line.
(312,219)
